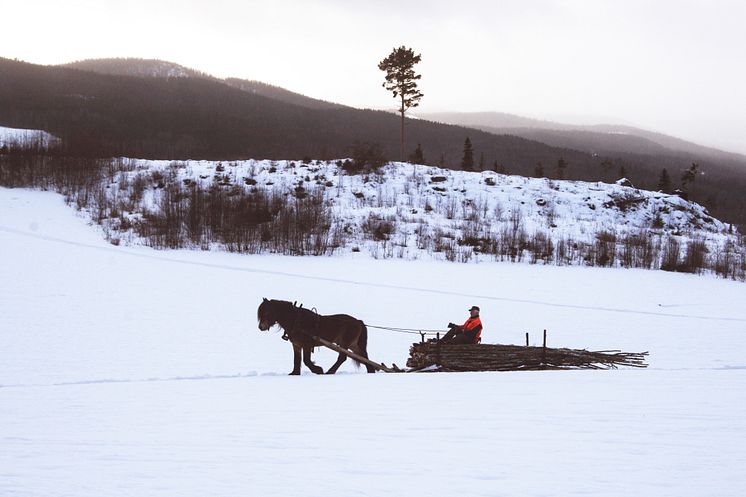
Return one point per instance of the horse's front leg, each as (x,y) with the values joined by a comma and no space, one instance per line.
(307,350)
(296,359)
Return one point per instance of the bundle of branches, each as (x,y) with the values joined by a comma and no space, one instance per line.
(487,357)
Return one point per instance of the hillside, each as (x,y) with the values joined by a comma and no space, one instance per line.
(281,94)
(400,211)
(202,117)
(153,68)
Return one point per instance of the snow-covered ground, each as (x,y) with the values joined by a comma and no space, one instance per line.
(127,371)
(17,136)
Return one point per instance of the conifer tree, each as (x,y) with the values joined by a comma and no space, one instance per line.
(561,166)
(401,80)
(467,162)
(606,166)
(688,178)
(664,183)
(417,157)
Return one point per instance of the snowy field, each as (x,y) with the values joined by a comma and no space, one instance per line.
(131,372)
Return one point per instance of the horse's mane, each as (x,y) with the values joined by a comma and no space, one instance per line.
(286,307)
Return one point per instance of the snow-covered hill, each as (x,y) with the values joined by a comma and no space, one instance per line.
(411,211)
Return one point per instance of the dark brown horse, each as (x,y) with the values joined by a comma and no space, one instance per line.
(300,325)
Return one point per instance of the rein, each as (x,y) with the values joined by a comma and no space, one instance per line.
(287,334)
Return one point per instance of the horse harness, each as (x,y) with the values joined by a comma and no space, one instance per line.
(287,334)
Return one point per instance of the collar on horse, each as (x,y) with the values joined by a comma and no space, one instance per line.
(287,334)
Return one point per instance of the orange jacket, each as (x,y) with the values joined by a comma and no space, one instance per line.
(473,329)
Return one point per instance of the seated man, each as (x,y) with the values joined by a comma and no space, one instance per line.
(469,332)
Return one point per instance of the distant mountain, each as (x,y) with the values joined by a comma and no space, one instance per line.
(203,117)
(161,110)
(153,68)
(595,138)
(490,119)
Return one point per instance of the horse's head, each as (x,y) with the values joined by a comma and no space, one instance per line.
(267,315)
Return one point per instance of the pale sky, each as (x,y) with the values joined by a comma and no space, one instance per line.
(677,67)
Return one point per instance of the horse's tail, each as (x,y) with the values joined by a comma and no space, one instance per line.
(362,342)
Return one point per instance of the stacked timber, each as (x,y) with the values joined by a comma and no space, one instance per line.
(488,357)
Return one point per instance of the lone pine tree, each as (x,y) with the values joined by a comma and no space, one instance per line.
(401,80)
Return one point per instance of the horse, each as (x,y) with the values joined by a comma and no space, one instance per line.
(301,325)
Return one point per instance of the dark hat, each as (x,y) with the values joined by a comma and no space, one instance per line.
(474,307)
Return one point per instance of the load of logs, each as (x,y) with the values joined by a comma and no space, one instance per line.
(435,356)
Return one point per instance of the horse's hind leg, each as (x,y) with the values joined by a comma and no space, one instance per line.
(296,359)
(307,350)
(342,358)
(368,367)
(361,351)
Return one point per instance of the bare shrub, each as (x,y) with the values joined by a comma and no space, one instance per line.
(366,157)
(725,261)
(377,228)
(540,247)
(451,208)
(695,258)
(512,239)
(423,238)
(442,241)
(561,252)
(638,250)
(604,253)
(498,211)
(671,255)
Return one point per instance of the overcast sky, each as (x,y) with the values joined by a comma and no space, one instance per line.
(673,66)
